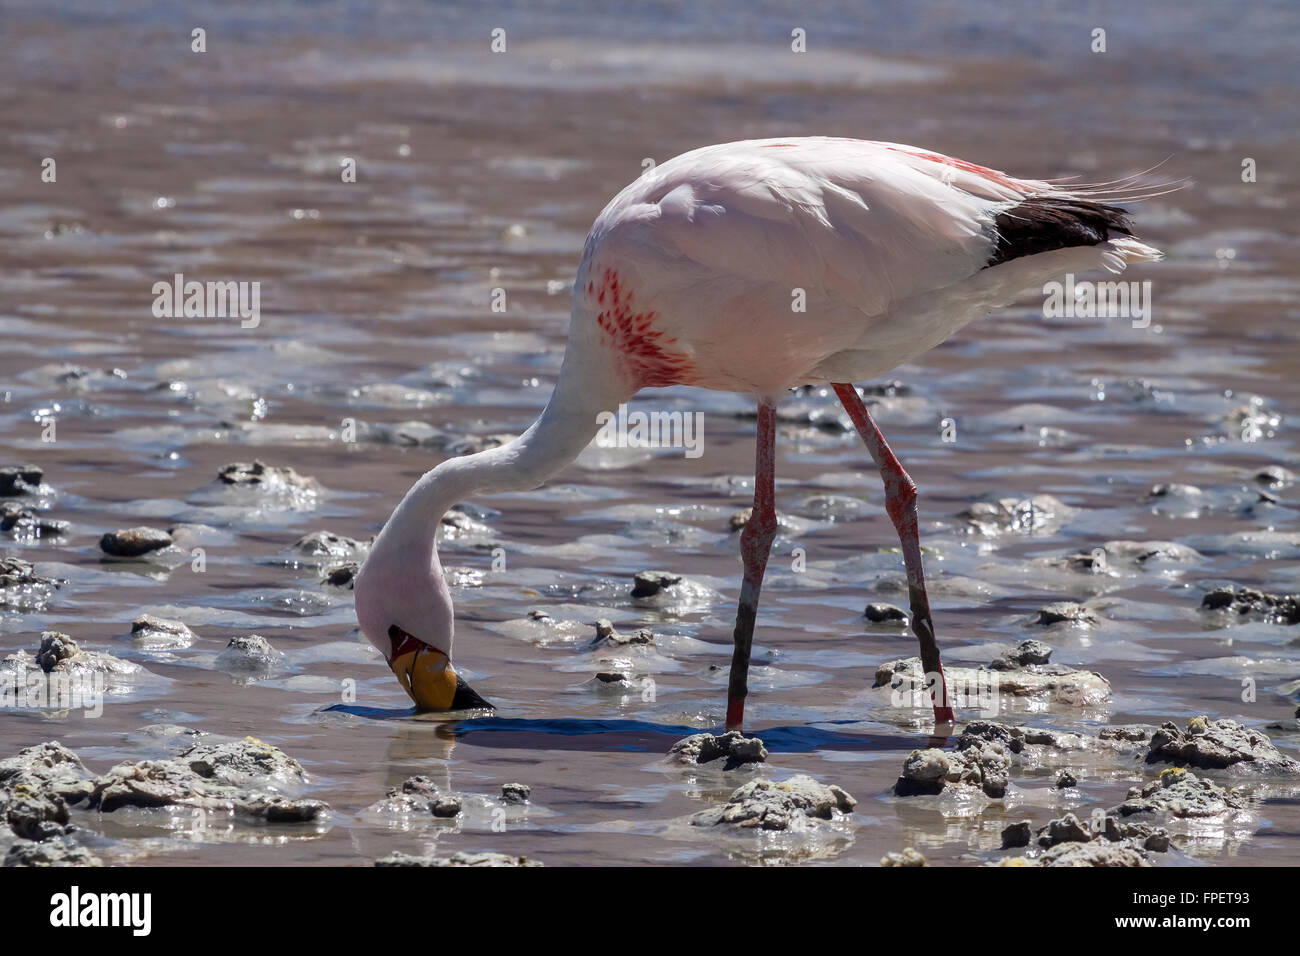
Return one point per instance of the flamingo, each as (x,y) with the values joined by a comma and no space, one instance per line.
(688,276)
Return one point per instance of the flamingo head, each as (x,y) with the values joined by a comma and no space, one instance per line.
(404,608)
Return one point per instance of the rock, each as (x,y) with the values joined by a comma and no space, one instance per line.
(342,576)
(1128,733)
(156,632)
(794,804)
(515,792)
(50,853)
(134,542)
(908,857)
(257,474)
(60,654)
(21,588)
(419,785)
(242,761)
(733,747)
(48,767)
(21,479)
(55,648)
(884,614)
(25,522)
(1006,675)
(982,764)
(1219,744)
(1067,612)
(1067,829)
(1016,835)
(650,583)
(36,787)
(607,636)
(445,806)
(1025,654)
(456,859)
(1173,489)
(1093,854)
(1150,838)
(1179,793)
(1248,602)
(249,655)
(1016,738)
(416,795)
(229,777)
(328,544)
(1024,515)
(1066,780)
(32,813)
(419,794)
(1275,476)
(15,572)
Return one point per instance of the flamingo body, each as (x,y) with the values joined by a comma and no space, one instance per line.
(753,267)
(762,265)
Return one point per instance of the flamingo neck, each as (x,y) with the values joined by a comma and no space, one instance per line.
(556,438)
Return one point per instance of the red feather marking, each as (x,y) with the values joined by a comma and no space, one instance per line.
(639,346)
(1001,179)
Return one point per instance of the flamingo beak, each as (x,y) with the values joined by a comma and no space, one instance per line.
(427,676)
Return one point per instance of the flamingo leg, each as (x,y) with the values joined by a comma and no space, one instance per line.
(755,546)
(900,503)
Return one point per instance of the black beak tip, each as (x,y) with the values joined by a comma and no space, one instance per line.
(467,698)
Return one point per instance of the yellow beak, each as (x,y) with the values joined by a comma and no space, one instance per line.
(428,678)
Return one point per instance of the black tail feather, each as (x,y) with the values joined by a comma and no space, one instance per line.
(1044,223)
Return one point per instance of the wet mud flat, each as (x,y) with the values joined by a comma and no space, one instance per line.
(1112,537)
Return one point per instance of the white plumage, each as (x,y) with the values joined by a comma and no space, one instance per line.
(888,244)
(754,267)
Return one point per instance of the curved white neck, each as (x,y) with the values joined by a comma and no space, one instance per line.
(561,432)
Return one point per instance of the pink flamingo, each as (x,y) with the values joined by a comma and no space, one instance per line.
(688,277)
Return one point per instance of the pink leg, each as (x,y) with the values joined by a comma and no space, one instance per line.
(755,545)
(900,503)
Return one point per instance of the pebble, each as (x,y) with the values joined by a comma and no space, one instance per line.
(794,804)
(515,792)
(885,614)
(157,632)
(21,479)
(607,636)
(733,748)
(1275,608)
(909,856)
(650,583)
(134,542)
(1016,835)
(1219,744)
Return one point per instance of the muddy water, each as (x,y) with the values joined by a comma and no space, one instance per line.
(480,171)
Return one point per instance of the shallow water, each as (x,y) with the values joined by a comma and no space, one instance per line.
(479,171)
